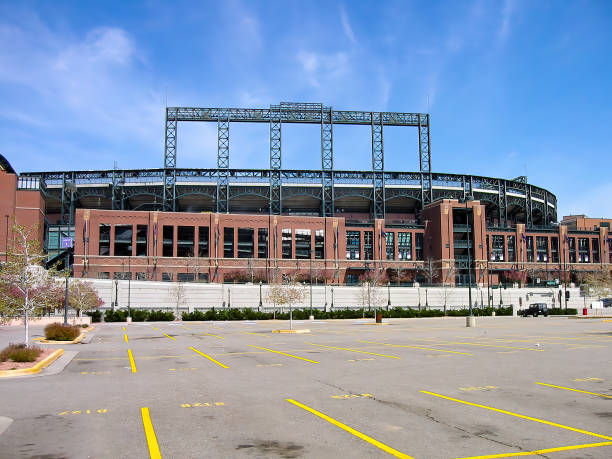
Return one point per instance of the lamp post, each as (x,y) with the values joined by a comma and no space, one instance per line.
(332,297)
(260,303)
(66,303)
(117,293)
(311,255)
(388,295)
(129,284)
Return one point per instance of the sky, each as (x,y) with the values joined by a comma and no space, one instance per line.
(514,87)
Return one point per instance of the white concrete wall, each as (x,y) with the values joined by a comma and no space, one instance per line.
(156,295)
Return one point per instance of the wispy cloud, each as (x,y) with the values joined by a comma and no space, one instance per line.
(318,67)
(506,20)
(346,26)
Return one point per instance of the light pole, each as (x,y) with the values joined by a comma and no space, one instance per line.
(388,295)
(260,303)
(332,297)
(66,303)
(117,293)
(129,284)
(311,255)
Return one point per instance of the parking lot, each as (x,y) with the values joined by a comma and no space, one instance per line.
(424,388)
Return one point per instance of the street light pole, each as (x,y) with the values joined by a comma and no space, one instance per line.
(260,303)
(469,259)
(311,255)
(129,284)
(66,303)
(388,295)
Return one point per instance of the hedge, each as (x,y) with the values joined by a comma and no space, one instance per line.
(138,315)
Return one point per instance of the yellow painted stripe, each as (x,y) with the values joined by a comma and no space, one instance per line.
(352,431)
(354,350)
(123,328)
(416,347)
(132,363)
(445,343)
(186,328)
(541,451)
(283,353)
(125,337)
(211,334)
(150,434)
(574,390)
(208,357)
(529,418)
(258,334)
(172,338)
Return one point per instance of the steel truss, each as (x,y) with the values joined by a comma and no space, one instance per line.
(378,167)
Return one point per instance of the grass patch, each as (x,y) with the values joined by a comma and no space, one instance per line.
(20,353)
(60,332)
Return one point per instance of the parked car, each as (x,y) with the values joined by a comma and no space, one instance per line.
(535,309)
(607,302)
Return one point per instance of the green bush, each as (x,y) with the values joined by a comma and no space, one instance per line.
(139,315)
(160,316)
(20,353)
(115,316)
(96,316)
(562,311)
(61,332)
(84,326)
(195,315)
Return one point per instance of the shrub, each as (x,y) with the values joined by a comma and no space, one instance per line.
(562,311)
(20,353)
(160,316)
(195,315)
(115,316)
(84,326)
(96,316)
(60,332)
(139,315)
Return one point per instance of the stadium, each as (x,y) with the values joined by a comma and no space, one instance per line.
(325,225)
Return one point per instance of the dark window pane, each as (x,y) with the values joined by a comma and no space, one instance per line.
(390,245)
(368,245)
(319,244)
(104,246)
(246,243)
(185,241)
(287,243)
(123,240)
(167,277)
(185,277)
(168,243)
(228,242)
(404,246)
(203,246)
(262,243)
(511,248)
(141,240)
(418,245)
(302,243)
(353,245)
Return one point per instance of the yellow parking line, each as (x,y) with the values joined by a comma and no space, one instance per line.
(258,334)
(283,353)
(123,328)
(541,451)
(212,334)
(354,350)
(529,418)
(186,328)
(154,452)
(125,337)
(208,357)
(132,363)
(574,390)
(352,431)
(416,347)
(444,343)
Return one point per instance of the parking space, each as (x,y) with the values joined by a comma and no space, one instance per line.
(427,388)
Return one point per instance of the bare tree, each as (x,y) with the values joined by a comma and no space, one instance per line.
(177,294)
(371,290)
(288,292)
(429,270)
(447,287)
(598,284)
(26,288)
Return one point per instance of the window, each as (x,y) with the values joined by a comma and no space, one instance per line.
(228,242)
(419,246)
(122,275)
(286,243)
(542,249)
(353,245)
(104,275)
(319,244)
(167,277)
(595,245)
(302,243)
(404,246)
(583,250)
(262,243)
(142,276)
(104,245)
(368,245)
(554,249)
(185,277)
(571,243)
(202,277)
(141,240)
(168,242)
(246,243)
(390,244)
(529,248)
(203,238)
(185,236)
(511,248)
(123,240)
(497,249)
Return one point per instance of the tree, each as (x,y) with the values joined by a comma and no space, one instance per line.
(371,292)
(82,296)
(288,292)
(177,294)
(599,284)
(429,270)
(446,289)
(26,288)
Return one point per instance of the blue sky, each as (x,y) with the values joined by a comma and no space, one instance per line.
(513,87)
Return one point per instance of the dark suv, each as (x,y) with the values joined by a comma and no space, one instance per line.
(535,309)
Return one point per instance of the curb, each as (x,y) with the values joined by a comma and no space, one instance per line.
(77,340)
(304,330)
(36,368)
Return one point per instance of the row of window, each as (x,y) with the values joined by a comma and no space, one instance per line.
(404,245)
(143,276)
(585,252)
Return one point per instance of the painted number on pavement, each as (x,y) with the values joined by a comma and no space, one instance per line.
(347,396)
(101,411)
(194,405)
